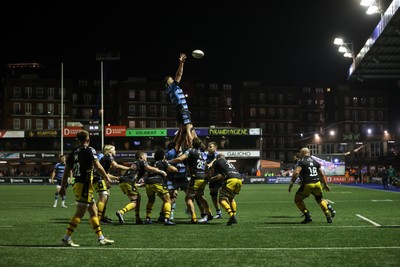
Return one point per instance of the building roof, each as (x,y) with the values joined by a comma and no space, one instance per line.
(380,56)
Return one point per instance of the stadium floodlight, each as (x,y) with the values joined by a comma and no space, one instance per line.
(345,48)
(373,6)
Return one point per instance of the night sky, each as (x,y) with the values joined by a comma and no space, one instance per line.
(286,42)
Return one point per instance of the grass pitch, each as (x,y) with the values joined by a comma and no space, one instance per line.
(365,231)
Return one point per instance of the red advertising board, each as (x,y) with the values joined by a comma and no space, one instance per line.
(71,131)
(115,131)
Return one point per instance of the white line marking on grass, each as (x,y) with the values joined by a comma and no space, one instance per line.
(313,227)
(329,201)
(143,250)
(380,200)
(368,220)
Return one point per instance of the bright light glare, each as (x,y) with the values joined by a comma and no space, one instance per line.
(338,41)
(342,49)
(347,54)
(367,2)
(372,10)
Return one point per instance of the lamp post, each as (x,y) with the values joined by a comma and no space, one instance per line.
(104,56)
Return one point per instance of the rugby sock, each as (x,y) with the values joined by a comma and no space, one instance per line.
(73,223)
(94,222)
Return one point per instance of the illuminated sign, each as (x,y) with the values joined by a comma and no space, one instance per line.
(228,131)
(12,134)
(115,131)
(146,132)
(71,131)
(43,133)
(240,153)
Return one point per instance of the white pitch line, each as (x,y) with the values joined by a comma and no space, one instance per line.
(329,201)
(368,220)
(143,250)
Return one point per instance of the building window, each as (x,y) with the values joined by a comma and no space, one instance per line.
(132,124)
(163,111)
(227,87)
(50,93)
(271,98)
(199,86)
(39,108)
(347,101)
(61,109)
(213,116)
(372,102)
(261,98)
(17,92)
(253,112)
(213,86)
(87,99)
(375,149)
(355,101)
(50,124)
(252,98)
(281,113)
(163,124)
(363,115)
(290,127)
(28,92)
(16,124)
(39,124)
(153,110)
(262,126)
(132,94)
(213,101)
(281,156)
(262,112)
(271,154)
(355,115)
(372,115)
(142,111)
(142,95)
(380,115)
(17,108)
(163,96)
(153,95)
(289,114)
(83,83)
(28,124)
(271,112)
(281,127)
(281,141)
(50,108)
(142,124)
(28,108)
(39,92)
(271,127)
(132,110)
(313,149)
(153,124)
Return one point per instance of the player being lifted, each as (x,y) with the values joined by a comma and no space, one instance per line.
(178,99)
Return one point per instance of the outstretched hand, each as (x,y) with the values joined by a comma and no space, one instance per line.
(182,57)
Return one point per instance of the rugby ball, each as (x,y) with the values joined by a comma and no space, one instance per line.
(197,54)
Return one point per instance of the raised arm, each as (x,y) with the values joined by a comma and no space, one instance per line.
(179,72)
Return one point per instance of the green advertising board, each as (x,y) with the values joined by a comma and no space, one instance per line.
(146,132)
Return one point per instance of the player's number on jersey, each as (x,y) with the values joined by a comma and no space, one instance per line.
(313,171)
